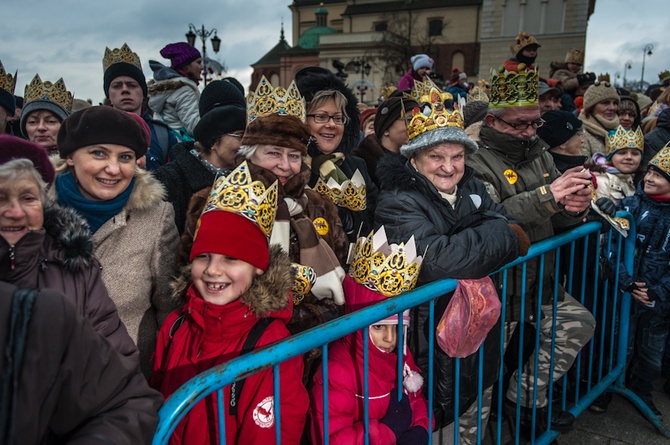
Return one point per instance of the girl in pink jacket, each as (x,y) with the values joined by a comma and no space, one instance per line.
(390,421)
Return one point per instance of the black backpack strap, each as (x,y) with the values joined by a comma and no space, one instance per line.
(14,348)
(249,345)
(163,137)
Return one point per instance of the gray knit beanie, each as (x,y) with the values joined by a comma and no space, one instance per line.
(435,137)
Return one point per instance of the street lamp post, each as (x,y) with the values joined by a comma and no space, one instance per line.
(628,65)
(203,33)
(645,52)
(362,66)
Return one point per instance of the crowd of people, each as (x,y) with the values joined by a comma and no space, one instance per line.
(177,228)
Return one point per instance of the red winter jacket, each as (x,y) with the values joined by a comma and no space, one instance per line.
(211,335)
(345,394)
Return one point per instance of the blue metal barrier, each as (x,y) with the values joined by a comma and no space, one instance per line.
(610,365)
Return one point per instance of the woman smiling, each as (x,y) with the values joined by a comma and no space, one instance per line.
(133,229)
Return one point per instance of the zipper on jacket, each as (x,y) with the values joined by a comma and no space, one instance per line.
(12,257)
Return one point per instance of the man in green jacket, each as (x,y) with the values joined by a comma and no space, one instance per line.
(519,172)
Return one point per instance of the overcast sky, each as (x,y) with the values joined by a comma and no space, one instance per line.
(67,38)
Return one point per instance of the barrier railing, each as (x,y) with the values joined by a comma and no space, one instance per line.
(600,366)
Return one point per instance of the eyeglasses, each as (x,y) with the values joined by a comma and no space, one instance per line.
(324,118)
(521,126)
(235,135)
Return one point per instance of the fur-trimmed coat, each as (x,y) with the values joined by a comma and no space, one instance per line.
(137,249)
(213,334)
(174,99)
(60,256)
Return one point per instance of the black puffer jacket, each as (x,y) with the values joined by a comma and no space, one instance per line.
(658,137)
(408,205)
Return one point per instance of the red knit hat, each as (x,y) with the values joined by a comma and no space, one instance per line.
(231,235)
(12,148)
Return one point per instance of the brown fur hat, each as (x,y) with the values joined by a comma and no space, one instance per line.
(281,131)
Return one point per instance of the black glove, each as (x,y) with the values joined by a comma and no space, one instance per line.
(413,436)
(347,219)
(607,206)
(399,414)
(585,78)
(651,295)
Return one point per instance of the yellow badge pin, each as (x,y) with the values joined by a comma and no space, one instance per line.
(511,176)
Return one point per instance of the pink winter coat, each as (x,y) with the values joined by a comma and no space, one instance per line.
(345,394)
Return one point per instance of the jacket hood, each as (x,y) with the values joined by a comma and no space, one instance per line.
(396,173)
(162,72)
(72,237)
(147,193)
(269,294)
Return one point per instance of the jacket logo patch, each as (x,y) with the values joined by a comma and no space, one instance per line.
(476,200)
(511,176)
(263,414)
(321,226)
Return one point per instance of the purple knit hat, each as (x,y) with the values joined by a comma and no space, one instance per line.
(180,54)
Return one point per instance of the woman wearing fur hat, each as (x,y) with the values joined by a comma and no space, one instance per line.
(195,165)
(46,107)
(174,94)
(307,225)
(422,65)
(599,115)
(133,228)
(237,297)
(333,120)
(391,421)
(426,192)
(390,133)
(45,245)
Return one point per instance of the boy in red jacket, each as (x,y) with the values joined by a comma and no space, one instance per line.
(378,271)
(237,296)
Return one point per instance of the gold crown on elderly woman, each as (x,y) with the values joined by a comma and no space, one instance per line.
(54,92)
(388,269)
(282,101)
(239,193)
(7,81)
(431,113)
(622,138)
(513,88)
(350,194)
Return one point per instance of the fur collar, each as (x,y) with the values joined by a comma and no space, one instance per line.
(169,85)
(72,237)
(147,193)
(268,293)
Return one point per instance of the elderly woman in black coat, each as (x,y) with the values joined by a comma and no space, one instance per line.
(430,193)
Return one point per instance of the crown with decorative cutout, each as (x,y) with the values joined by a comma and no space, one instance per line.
(7,81)
(622,138)
(478,92)
(388,269)
(304,278)
(120,55)
(432,114)
(663,75)
(350,194)
(512,88)
(282,101)
(239,193)
(662,160)
(54,92)
(423,89)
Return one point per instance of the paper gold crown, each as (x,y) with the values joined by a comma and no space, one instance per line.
(239,193)
(478,92)
(432,114)
(388,269)
(350,194)
(513,89)
(622,138)
(422,90)
(54,92)
(304,278)
(662,160)
(7,81)
(663,75)
(282,101)
(574,56)
(120,55)
(604,77)
(522,40)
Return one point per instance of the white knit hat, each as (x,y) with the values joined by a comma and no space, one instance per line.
(421,61)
